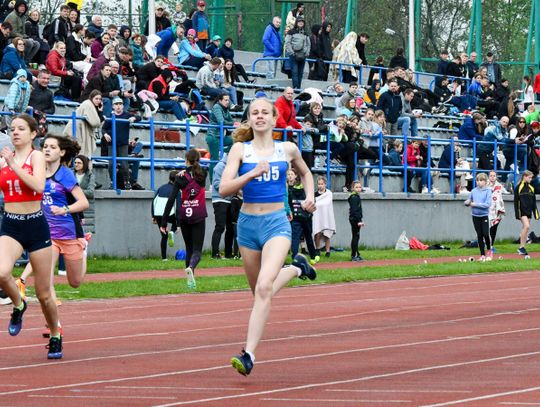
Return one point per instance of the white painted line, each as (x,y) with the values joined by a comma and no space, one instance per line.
(336,400)
(355,380)
(519,403)
(485,397)
(54,396)
(173,388)
(398,391)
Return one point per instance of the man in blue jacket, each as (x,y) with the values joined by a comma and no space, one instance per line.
(390,103)
(168,37)
(273,45)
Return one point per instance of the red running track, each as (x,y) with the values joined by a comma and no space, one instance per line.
(467,340)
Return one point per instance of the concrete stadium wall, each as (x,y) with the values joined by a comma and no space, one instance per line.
(124,226)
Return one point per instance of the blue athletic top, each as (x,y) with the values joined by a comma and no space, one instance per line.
(269,187)
(58,192)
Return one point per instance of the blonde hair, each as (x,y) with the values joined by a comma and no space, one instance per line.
(482,177)
(244,132)
(57,45)
(355,183)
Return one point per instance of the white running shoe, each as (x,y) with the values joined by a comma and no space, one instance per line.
(191,283)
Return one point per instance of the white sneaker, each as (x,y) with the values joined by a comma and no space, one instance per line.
(425,190)
(62,272)
(368,190)
(435,191)
(190,279)
(464,192)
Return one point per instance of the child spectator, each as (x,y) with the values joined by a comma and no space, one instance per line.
(414,158)
(301,223)
(17,98)
(201,24)
(307,146)
(525,208)
(324,223)
(158,208)
(179,16)
(480,200)
(396,154)
(355,219)
(496,209)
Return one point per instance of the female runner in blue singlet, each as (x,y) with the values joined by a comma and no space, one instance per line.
(258,165)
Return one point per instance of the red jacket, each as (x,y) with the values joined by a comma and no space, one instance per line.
(286,114)
(411,155)
(56,64)
(536,86)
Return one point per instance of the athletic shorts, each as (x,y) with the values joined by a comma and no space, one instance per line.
(72,249)
(30,230)
(255,230)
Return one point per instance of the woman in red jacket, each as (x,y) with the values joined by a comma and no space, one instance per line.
(536,86)
(58,65)
(414,158)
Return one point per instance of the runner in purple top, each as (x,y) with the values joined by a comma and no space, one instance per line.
(63,201)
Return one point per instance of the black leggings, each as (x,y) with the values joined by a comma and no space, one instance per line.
(481,226)
(493,233)
(355,231)
(165,236)
(193,234)
(223,219)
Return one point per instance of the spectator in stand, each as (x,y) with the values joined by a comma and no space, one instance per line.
(395,155)
(324,223)
(273,46)
(484,151)
(5,31)
(516,146)
(502,91)
(475,88)
(292,16)
(190,53)
(378,73)
(408,118)
(92,110)
(286,115)
(442,91)
(41,98)
(99,82)
(227,52)
(158,205)
(508,107)
(80,61)
(473,127)
(372,131)
(16,101)
(390,103)
(347,53)
(360,45)
(179,16)
(212,48)
(350,94)
(160,86)
(399,59)
(188,23)
(442,66)
(138,53)
(297,46)
(472,66)
(371,98)
(87,182)
(314,50)
(536,86)
(96,26)
(13,60)
(6,7)
(108,55)
(99,44)
(150,71)
(122,127)
(455,67)
(61,28)
(531,115)
(528,92)
(493,69)
(220,115)
(116,83)
(316,117)
(124,36)
(17,20)
(168,37)
(73,18)
(229,75)
(201,24)
(326,50)
(209,86)
(414,161)
(487,99)
(31,29)
(162,21)
(348,107)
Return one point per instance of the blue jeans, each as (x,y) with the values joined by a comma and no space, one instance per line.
(406,123)
(175,107)
(271,69)
(214,93)
(417,172)
(508,153)
(297,72)
(195,62)
(231,90)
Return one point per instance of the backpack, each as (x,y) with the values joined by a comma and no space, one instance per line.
(297,42)
(193,208)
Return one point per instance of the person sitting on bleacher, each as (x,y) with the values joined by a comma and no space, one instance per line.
(473,127)
(485,151)
(212,48)
(150,71)
(317,119)
(81,62)
(17,19)
(99,82)
(108,55)
(190,53)
(97,46)
(31,29)
(41,98)
(13,60)
(5,31)
(395,155)
(16,101)
(209,86)
(227,52)
(168,37)
(96,26)
(408,119)
(286,115)
(160,86)
(162,21)
(58,65)
(442,91)
(349,94)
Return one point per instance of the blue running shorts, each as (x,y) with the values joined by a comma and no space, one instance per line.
(255,230)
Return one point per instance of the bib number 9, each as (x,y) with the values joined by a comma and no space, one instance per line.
(189,212)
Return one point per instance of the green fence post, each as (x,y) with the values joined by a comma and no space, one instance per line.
(529,37)
(478,45)
(471,29)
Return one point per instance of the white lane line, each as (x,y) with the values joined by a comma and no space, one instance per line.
(172,388)
(485,397)
(398,391)
(101,397)
(335,400)
(288,359)
(355,380)
(519,403)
